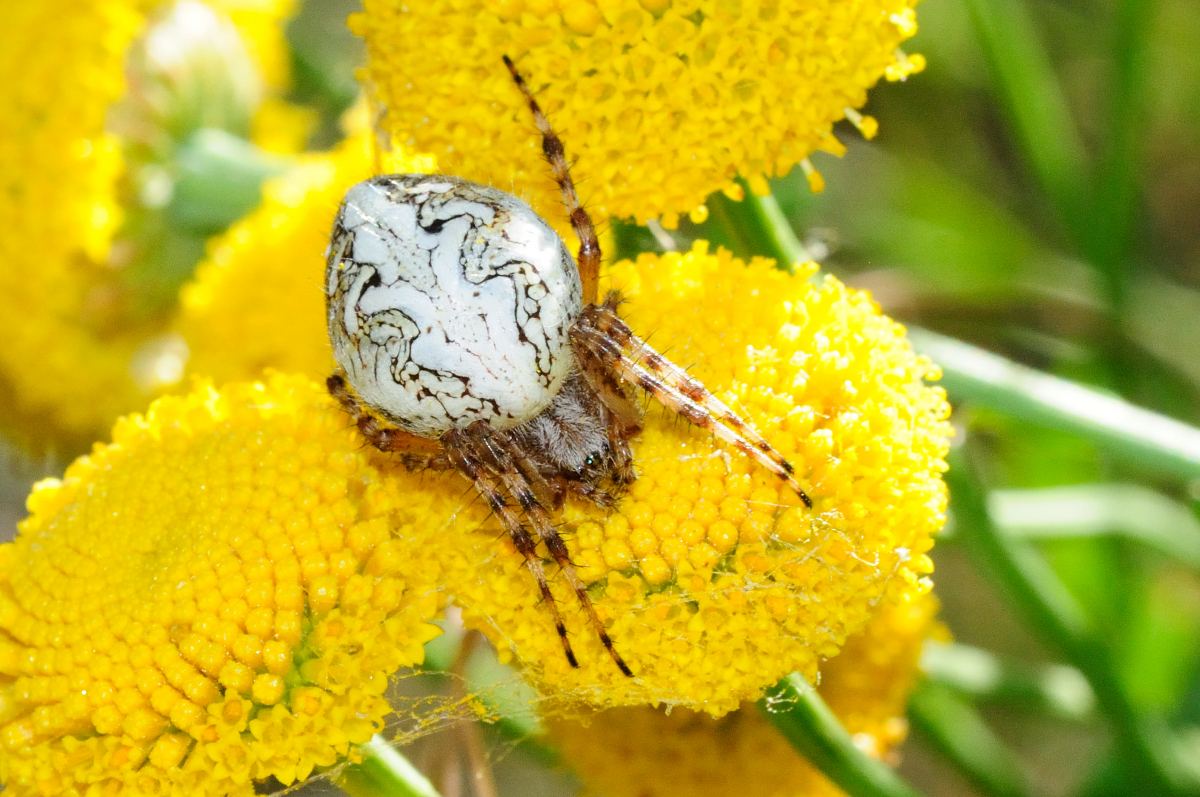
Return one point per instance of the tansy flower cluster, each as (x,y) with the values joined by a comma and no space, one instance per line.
(58,210)
(214,598)
(714,581)
(645,752)
(659,102)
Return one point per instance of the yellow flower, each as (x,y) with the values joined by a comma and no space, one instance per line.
(214,598)
(60,71)
(644,752)
(659,102)
(713,580)
(258,300)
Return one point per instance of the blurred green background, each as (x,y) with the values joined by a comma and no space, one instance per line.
(1035,192)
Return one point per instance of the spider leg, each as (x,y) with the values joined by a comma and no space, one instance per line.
(414,452)
(464,454)
(589,244)
(611,340)
(504,452)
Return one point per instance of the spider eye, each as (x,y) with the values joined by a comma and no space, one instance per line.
(592,461)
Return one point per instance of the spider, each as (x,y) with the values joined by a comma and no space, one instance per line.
(467,338)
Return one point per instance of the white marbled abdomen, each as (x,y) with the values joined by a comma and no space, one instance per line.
(449,302)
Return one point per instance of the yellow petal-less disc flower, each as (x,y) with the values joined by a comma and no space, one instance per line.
(645,752)
(713,581)
(214,598)
(258,301)
(659,102)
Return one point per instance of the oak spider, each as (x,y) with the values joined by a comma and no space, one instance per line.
(467,338)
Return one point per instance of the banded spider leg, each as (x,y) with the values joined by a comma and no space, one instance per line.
(604,335)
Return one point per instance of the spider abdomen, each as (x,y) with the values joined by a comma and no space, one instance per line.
(449,303)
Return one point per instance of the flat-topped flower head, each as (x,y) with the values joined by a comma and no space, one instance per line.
(213,599)
(645,752)
(712,578)
(660,102)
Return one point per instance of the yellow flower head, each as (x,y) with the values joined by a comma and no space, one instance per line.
(645,752)
(659,102)
(60,68)
(212,599)
(713,580)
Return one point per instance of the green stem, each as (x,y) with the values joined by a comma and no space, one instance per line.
(972,374)
(384,772)
(1052,611)
(955,728)
(1110,235)
(798,712)
(758,226)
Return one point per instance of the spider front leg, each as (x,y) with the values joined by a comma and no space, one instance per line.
(503,454)
(603,334)
(588,259)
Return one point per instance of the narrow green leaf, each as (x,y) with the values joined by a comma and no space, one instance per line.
(955,728)
(1024,76)
(384,772)
(1094,510)
(972,374)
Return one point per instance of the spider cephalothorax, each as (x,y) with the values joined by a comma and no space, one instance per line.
(468,338)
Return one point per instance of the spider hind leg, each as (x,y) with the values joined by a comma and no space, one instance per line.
(415,453)
(605,336)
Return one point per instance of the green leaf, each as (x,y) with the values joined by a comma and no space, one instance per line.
(384,772)
(972,374)
(1097,510)
(1037,107)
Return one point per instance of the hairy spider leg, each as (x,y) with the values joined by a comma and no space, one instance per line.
(414,452)
(601,332)
(467,458)
(504,454)
(588,259)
